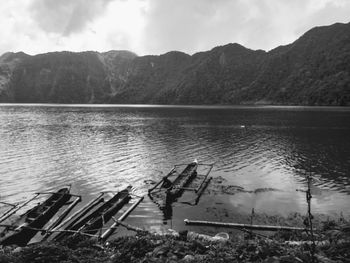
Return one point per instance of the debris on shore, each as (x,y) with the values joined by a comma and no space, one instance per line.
(332,245)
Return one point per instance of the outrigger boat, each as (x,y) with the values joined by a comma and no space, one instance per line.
(91,222)
(177,187)
(165,192)
(22,230)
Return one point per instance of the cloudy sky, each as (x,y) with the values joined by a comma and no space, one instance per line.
(158,26)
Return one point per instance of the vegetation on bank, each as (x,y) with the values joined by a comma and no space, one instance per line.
(332,244)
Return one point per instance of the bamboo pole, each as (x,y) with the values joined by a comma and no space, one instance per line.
(199,194)
(156,185)
(187,188)
(4,203)
(62,216)
(80,213)
(206,164)
(111,230)
(57,193)
(3,218)
(18,229)
(245,226)
(9,210)
(129,227)
(205,178)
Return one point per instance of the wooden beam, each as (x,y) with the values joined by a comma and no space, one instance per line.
(245,226)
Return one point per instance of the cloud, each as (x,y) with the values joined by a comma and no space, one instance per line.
(66,16)
(36,26)
(190,25)
(159,26)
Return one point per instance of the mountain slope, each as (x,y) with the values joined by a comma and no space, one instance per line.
(314,70)
(8,62)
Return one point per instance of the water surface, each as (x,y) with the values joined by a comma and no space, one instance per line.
(266,150)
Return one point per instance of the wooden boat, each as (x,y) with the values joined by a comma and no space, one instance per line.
(94,221)
(73,219)
(182,180)
(22,230)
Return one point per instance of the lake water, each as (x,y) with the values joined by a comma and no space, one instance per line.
(267,151)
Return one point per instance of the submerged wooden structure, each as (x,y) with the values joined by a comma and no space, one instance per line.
(166,191)
(177,187)
(24,228)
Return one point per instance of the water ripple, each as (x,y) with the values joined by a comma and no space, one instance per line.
(100,149)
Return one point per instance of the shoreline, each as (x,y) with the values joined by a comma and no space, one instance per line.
(181,106)
(332,241)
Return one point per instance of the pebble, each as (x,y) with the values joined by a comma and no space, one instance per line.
(17,250)
(188,258)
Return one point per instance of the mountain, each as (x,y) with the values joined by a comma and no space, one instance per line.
(8,62)
(314,70)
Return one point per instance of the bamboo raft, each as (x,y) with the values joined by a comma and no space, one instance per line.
(23,229)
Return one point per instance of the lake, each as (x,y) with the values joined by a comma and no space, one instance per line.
(267,151)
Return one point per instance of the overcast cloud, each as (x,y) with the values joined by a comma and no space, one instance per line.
(158,26)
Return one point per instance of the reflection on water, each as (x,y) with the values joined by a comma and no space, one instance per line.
(101,148)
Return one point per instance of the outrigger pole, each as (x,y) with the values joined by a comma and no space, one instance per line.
(4,217)
(77,215)
(9,210)
(157,184)
(205,177)
(113,227)
(63,215)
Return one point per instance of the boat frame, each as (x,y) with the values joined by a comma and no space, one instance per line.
(34,219)
(88,222)
(175,189)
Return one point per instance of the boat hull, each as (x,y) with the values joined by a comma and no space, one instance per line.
(184,178)
(95,220)
(28,224)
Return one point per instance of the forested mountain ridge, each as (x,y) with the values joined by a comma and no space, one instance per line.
(313,70)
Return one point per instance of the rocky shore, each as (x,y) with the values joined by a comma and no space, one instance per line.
(332,244)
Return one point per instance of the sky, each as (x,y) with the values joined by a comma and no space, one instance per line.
(159,26)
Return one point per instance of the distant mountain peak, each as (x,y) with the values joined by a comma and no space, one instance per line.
(313,70)
(8,56)
(120,53)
